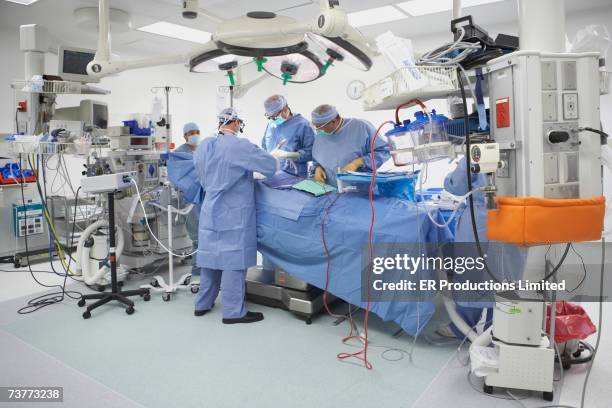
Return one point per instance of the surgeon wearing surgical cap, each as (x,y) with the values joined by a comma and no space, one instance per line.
(343,144)
(288,136)
(505,261)
(227,243)
(191,133)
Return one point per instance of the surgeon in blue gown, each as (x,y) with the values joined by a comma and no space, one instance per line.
(289,134)
(505,261)
(191,133)
(227,243)
(343,144)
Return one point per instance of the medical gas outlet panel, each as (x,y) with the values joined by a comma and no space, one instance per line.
(538,104)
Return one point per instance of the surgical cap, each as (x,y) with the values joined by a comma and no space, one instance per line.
(323,114)
(190,127)
(274,104)
(228,115)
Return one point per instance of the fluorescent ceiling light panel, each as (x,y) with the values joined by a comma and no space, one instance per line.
(23,2)
(423,7)
(177,31)
(375,16)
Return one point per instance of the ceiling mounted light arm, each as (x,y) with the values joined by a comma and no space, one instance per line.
(104,39)
(258,34)
(98,68)
(102,65)
(331,22)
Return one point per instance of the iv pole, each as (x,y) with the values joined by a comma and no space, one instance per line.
(158,284)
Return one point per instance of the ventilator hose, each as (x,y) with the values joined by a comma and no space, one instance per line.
(84,236)
(83,252)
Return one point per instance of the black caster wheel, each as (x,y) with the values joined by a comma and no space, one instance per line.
(166,297)
(195,289)
(187,280)
(100,288)
(154,283)
(487,389)
(86,314)
(548,396)
(309,321)
(81,302)
(17,264)
(146,297)
(566,365)
(129,310)
(577,354)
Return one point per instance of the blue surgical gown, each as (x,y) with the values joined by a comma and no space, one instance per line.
(227,233)
(300,137)
(351,141)
(192,219)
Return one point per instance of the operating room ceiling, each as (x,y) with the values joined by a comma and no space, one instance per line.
(57,16)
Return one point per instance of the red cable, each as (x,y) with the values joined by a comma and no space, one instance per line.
(409,103)
(328,258)
(363,353)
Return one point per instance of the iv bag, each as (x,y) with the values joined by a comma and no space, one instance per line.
(592,38)
(157,108)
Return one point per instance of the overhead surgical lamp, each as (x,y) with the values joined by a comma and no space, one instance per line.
(281,46)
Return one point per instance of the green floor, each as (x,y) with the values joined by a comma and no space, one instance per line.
(163,356)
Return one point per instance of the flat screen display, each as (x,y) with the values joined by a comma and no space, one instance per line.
(75,62)
(100,116)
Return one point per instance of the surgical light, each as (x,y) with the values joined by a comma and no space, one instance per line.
(258,36)
(350,53)
(211,61)
(297,68)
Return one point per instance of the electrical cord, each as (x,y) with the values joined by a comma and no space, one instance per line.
(50,223)
(584,270)
(363,353)
(439,56)
(43,198)
(144,212)
(603,135)
(466,123)
(556,268)
(348,317)
(26,271)
(47,299)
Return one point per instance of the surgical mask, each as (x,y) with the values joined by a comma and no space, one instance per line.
(321,132)
(279,121)
(193,140)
